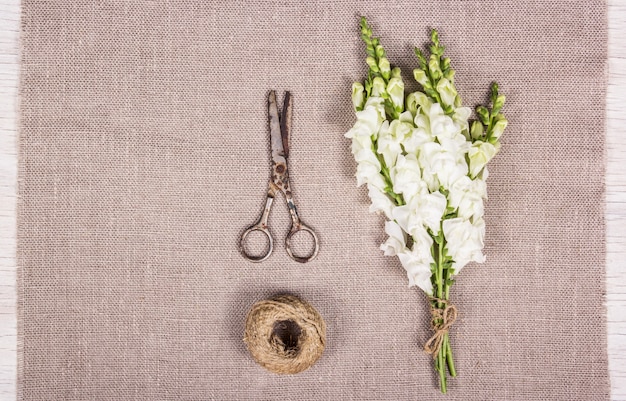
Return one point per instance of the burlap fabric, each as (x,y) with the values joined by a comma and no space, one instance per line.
(144,155)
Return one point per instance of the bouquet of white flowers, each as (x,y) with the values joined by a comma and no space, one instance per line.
(425,169)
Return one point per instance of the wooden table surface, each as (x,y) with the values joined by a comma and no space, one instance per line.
(615,196)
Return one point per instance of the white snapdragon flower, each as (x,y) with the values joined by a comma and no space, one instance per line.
(368,169)
(457,145)
(406,177)
(465,241)
(361,142)
(466,195)
(461,116)
(423,210)
(442,125)
(480,153)
(380,201)
(417,262)
(396,243)
(441,166)
(406,117)
(368,120)
(390,136)
(418,100)
(417,138)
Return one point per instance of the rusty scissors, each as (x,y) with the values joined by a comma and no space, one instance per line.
(279,182)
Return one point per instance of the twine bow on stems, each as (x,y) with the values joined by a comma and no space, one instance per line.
(442,318)
(444,314)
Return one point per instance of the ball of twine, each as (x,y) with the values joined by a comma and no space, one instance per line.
(285,334)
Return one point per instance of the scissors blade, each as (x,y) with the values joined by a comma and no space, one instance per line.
(276,139)
(285,122)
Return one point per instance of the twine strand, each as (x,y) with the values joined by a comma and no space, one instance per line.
(443,317)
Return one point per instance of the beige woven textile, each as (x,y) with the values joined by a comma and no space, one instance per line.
(144,154)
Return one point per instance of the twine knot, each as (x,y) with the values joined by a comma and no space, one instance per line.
(443,315)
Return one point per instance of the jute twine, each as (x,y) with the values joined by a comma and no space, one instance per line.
(443,315)
(285,334)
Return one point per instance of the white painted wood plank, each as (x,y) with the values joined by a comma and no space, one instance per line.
(616,200)
(9,68)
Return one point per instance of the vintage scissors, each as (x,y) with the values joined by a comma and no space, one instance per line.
(279,138)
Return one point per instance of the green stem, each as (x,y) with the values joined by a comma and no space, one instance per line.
(441,280)
(449,357)
(442,372)
(442,276)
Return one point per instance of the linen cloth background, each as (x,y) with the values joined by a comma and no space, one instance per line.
(144,155)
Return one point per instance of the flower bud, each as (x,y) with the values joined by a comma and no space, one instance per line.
(494,90)
(371,62)
(446,64)
(479,155)
(497,105)
(358,96)
(380,52)
(447,92)
(498,128)
(395,89)
(378,87)
(477,130)
(483,114)
(457,101)
(433,67)
(434,36)
(420,76)
(411,104)
(395,72)
(385,68)
(368,86)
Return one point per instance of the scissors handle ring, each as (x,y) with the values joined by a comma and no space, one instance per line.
(257,227)
(316,244)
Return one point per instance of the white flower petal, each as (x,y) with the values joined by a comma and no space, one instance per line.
(380,201)
(480,154)
(396,242)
